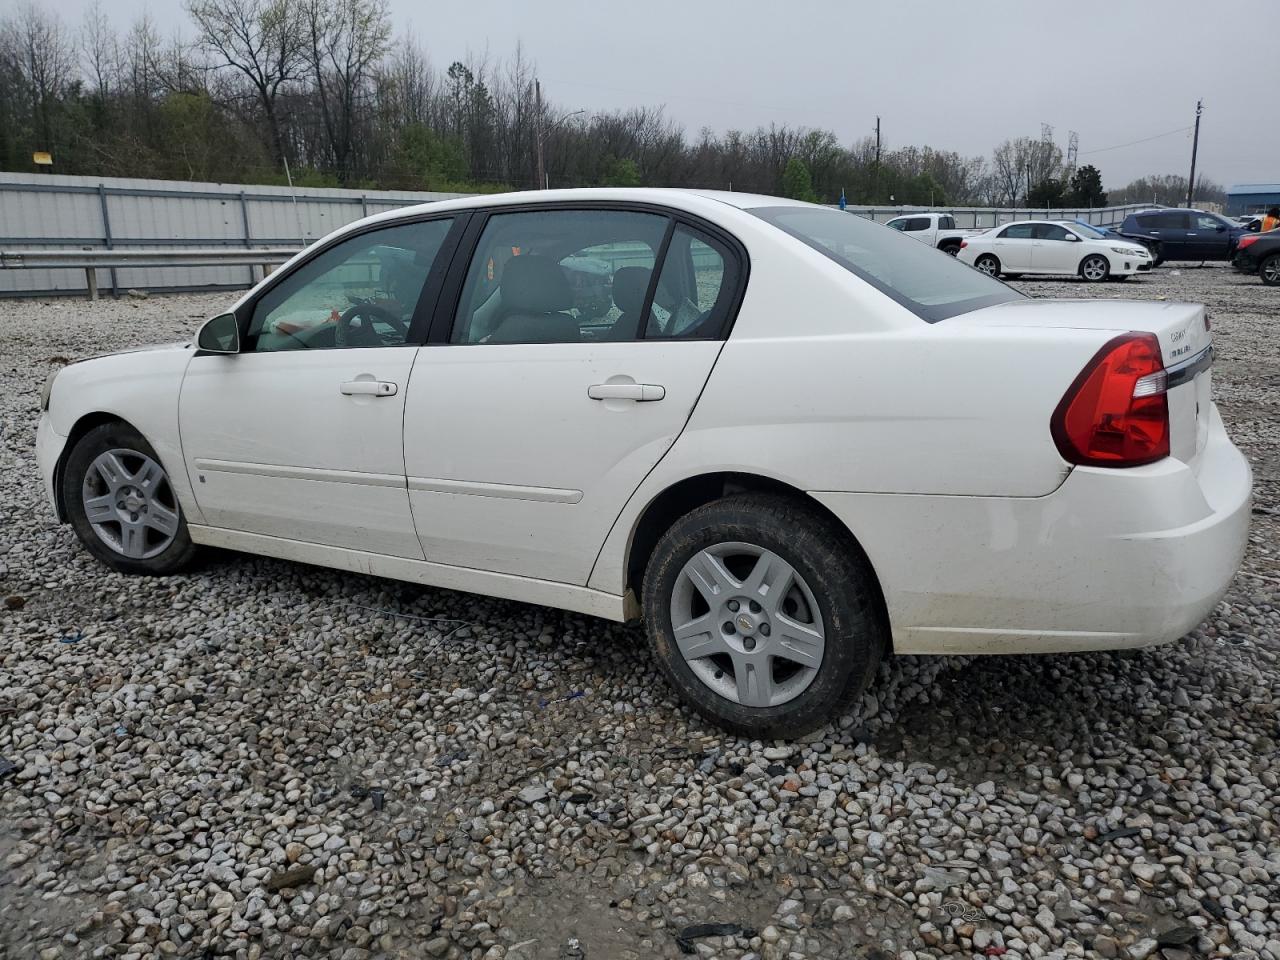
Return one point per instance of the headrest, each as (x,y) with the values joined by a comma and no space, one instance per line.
(630,284)
(534,284)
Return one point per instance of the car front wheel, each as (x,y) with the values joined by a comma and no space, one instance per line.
(988,264)
(1095,268)
(121,504)
(762,616)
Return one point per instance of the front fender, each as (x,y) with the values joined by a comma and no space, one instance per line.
(142,389)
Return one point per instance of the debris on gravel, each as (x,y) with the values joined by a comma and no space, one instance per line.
(261,759)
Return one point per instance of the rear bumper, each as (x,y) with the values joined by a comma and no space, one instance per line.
(1245,262)
(1111,559)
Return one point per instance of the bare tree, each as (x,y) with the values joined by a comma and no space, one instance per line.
(344,41)
(261,39)
(99,49)
(46,61)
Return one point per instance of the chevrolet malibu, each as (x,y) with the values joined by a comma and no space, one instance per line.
(794,443)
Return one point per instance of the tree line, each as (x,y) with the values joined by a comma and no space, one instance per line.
(326,89)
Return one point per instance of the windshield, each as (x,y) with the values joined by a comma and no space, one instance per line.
(1085,230)
(927,282)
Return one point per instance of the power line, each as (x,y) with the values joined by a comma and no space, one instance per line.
(1133,143)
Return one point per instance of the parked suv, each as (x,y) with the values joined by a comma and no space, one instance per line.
(1183,234)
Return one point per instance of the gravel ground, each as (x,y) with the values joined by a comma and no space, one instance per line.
(261,759)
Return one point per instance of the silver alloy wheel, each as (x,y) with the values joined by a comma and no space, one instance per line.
(1094,268)
(1271,271)
(129,503)
(747,624)
(988,266)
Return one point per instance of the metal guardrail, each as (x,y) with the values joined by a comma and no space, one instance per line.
(91,260)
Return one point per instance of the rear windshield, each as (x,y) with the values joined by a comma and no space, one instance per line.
(927,282)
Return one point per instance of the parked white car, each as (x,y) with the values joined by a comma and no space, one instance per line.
(936,229)
(795,442)
(1054,248)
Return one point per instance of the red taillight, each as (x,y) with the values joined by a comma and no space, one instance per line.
(963,244)
(1246,241)
(1116,414)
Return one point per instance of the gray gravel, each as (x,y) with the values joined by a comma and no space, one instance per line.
(267,760)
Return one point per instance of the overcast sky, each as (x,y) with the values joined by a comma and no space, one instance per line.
(955,76)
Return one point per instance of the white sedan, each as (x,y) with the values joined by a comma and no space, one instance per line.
(1054,248)
(794,443)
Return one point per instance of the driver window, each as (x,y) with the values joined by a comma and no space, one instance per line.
(361,292)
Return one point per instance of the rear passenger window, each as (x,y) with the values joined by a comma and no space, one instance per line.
(695,290)
(559,276)
(1165,221)
(946,223)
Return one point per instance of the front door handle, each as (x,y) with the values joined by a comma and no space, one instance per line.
(640,392)
(368,388)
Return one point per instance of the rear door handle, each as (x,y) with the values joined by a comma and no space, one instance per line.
(368,388)
(640,392)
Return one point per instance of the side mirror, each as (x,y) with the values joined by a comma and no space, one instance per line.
(220,335)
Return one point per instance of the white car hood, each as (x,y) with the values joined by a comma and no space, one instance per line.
(144,348)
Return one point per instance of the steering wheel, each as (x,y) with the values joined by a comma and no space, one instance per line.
(368,313)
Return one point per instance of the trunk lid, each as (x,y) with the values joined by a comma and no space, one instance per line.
(1185,346)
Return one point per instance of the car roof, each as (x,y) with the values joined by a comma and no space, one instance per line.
(666,196)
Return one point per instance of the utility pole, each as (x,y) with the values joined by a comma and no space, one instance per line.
(1195,145)
(875,186)
(537,99)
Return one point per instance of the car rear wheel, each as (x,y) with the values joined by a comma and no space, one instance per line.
(121,504)
(1156,257)
(1095,268)
(988,264)
(951,249)
(764,619)
(1269,270)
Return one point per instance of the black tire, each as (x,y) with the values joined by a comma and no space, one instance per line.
(1269,270)
(950,249)
(988,258)
(841,582)
(175,555)
(1095,258)
(1156,258)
